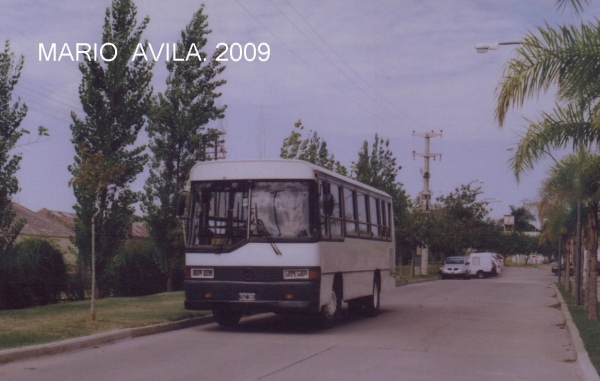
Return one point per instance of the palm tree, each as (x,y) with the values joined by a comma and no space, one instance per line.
(523,218)
(566,57)
(576,178)
(559,220)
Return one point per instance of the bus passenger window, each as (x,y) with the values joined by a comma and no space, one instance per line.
(388,216)
(361,203)
(374,214)
(383,220)
(349,211)
(335,220)
(323,208)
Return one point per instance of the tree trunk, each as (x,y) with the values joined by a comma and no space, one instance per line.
(592,263)
(170,281)
(566,265)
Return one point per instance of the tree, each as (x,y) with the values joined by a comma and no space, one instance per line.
(575,178)
(523,218)
(115,96)
(312,149)
(11,116)
(378,169)
(460,222)
(179,139)
(566,57)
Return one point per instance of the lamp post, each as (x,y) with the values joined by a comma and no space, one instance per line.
(491,200)
(483,48)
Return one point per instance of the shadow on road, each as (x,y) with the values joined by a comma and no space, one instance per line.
(291,324)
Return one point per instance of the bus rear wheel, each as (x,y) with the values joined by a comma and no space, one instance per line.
(227,318)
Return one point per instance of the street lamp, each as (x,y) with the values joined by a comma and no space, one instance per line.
(491,200)
(483,48)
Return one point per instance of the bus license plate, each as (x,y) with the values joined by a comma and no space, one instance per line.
(247,296)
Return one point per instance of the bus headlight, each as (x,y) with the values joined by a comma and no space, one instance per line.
(203,273)
(290,274)
(295,274)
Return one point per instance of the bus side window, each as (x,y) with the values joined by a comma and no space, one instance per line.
(323,200)
(389,220)
(335,220)
(361,203)
(350,211)
(384,228)
(374,214)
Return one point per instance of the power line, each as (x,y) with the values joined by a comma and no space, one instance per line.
(348,65)
(312,67)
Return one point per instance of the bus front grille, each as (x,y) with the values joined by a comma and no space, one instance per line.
(249,274)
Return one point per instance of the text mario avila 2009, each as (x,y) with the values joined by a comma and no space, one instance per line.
(108,52)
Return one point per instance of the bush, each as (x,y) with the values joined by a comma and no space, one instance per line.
(134,272)
(33,273)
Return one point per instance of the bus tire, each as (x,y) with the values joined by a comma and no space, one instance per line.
(372,303)
(227,318)
(330,311)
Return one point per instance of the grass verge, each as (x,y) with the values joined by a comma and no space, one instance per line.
(588,330)
(39,325)
(403,276)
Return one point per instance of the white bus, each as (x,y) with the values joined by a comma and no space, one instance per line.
(285,236)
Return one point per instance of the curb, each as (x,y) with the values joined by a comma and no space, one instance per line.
(69,345)
(585,369)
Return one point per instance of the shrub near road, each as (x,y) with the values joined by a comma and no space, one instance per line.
(34,273)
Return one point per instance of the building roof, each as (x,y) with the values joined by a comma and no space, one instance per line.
(64,218)
(53,223)
(138,230)
(38,225)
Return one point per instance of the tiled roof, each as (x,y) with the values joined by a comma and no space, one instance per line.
(138,230)
(64,218)
(39,225)
(61,224)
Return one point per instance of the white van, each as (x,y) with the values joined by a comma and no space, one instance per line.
(483,264)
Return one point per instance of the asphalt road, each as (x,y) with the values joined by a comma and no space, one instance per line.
(503,328)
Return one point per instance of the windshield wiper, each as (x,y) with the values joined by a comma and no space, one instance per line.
(261,228)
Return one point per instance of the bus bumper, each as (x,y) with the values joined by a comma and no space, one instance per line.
(248,297)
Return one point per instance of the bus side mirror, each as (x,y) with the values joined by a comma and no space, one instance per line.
(181,203)
(328,204)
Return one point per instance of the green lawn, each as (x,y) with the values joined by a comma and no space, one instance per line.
(588,330)
(403,274)
(38,325)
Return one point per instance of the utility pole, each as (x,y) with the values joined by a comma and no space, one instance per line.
(421,261)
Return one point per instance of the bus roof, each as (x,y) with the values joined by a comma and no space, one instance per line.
(267,169)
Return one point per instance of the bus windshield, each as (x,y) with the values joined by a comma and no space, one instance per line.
(226,213)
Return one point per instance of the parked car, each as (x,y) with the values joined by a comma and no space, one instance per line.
(571,269)
(455,267)
(483,265)
(499,262)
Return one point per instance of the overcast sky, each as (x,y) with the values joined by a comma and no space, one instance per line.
(347,69)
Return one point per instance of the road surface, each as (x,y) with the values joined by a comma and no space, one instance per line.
(503,328)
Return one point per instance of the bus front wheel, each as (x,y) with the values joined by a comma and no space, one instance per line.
(227,318)
(330,311)
(372,306)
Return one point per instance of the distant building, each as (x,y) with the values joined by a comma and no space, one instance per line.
(59,227)
(38,226)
